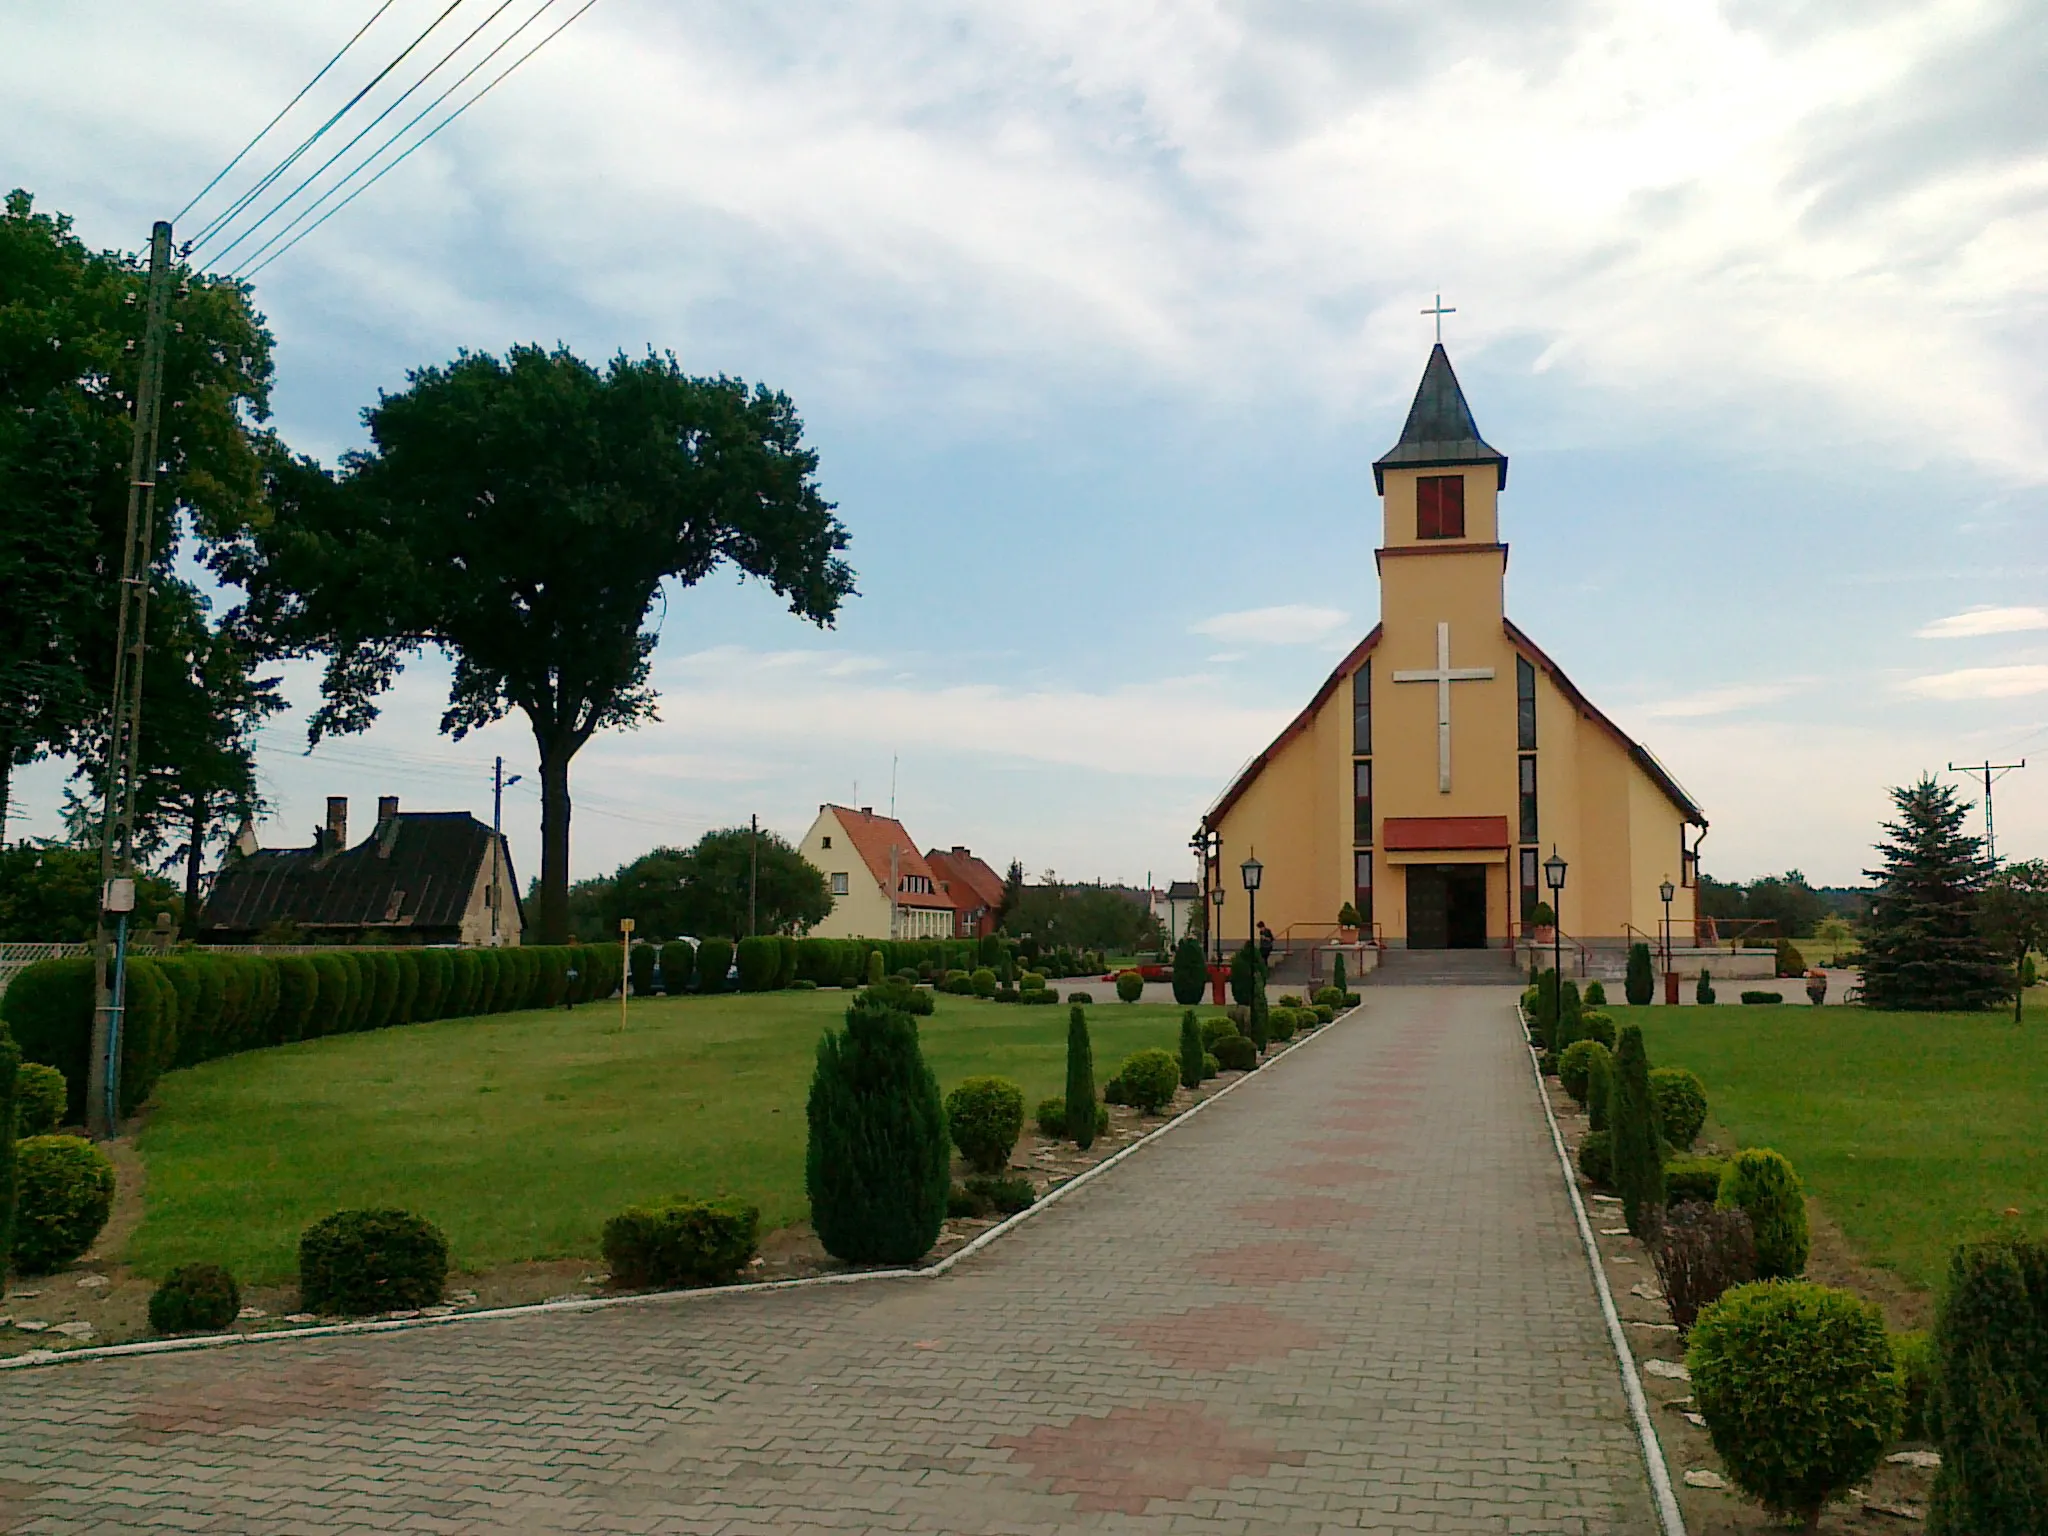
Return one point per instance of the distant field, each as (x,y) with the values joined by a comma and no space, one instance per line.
(1912,1129)
(520,1133)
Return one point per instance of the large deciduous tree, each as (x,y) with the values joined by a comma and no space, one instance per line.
(524,515)
(1921,946)
(2012,914)
(71,323)
(702,890)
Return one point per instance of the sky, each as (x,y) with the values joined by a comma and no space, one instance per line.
(1097,317)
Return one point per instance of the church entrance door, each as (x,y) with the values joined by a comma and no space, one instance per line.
(1447,906)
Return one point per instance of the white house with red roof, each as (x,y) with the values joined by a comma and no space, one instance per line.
(882,887)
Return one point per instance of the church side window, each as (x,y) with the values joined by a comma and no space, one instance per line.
(1530,894)
(1361,885)
(1361,711)
(1529,832)
(1525,704)
(1440,507)
(1361,802)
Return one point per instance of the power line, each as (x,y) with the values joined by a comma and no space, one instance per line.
(221,221)
(1990,773)
(244,150)
(249,231)
(422,142)
(256,256)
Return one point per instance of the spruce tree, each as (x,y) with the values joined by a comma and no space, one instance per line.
(879,1164)
(1337,978)
(1190,973)
(1632,1116)
(1921,946)
(1641,984)
(1191,1051)
(1080,1080)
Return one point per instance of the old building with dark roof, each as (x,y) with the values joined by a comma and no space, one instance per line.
(421,877)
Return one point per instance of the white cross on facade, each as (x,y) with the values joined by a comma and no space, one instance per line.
(1443,674)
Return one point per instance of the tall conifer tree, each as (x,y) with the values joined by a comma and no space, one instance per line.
(1080,1080)
(1922,948)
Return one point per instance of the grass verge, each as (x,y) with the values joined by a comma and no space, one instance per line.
(1912,1129)
(520,1133)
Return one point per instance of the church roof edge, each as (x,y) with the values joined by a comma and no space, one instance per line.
(1300,723)
(1440,431)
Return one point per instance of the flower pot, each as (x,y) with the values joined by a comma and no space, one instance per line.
(1347,935)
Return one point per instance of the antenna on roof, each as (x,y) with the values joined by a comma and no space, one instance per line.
(893,760)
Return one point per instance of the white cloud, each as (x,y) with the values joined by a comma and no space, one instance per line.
(2009,682)
(1719,701)
(1286,624)
(1984,621)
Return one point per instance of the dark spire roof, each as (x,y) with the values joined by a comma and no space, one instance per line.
(1440,430)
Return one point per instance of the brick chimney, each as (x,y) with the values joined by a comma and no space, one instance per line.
(337,823)
(387,810)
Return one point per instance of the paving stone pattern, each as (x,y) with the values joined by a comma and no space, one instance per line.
(1349,1297)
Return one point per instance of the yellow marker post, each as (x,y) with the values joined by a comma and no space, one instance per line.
(625,967)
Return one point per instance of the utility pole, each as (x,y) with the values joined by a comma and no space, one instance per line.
(117,811)
(753,870)
(1990,773)
(499,784)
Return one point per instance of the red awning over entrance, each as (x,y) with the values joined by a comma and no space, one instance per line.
(1434,834)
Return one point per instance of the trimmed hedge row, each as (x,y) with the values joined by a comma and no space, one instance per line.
(194,1006)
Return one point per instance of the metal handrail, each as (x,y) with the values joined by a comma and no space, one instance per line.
(1584,954)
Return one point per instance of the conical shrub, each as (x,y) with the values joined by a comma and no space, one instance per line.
(1991,1390)
(1244,976)
(1191,1052)
(1638,1153)
(1641,984)
(878,1166)
(1190,974)
(1080,1080)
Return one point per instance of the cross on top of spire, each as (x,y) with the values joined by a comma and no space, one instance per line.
(1440,312)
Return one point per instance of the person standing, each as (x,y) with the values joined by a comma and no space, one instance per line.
(1265,945)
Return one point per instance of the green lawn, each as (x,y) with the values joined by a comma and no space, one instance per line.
(519,1134)
(1912,1129)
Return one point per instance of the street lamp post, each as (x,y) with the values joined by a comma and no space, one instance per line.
(1252,872)
(1553,876)
(1216,921)
(1667,890)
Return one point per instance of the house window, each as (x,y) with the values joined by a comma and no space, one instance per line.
(1361,802)
(1361,885)
(839,885)
(1530,894)
(1440,507)
(1529,832)
(1361,711)
(1525,704)
(825,842)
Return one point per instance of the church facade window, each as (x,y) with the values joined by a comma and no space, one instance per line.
(1440,507)
(1528,771)
(1361,803)
(1531,895)
(1525,704)
(1361,711)
(1361,885)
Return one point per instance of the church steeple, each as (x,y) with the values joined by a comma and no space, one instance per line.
(1440,431)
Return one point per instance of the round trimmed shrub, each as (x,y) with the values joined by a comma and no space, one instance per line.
(1575,1067)
(195,1298)
(681,1242)
(1763,1183)
(1281,1023)
(714,964)
(641,970)
(1596,997)
(1051,1116)
(1595,1025)
(298,993)
(1328,997)
(759,959)
(40,1094)
(1695,1179)
(64,1192)
(986,1116)
(355,1263)
(678,966)
(1681,1100)
(1130,986)
(1214,1030)
(1149,1079)
(983,982)
(1596,1158)
(1799,1389)
(1234,1053)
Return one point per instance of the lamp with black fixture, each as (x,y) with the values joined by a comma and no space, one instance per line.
(1554,869)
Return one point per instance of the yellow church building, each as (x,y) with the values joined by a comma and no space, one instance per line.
(1445,759)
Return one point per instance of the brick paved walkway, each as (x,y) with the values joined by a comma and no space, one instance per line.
(1348,1297)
